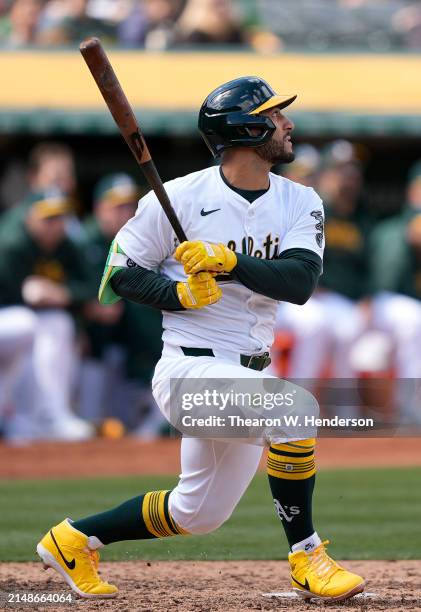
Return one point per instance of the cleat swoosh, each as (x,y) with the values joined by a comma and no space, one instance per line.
(305,586)
(70,564)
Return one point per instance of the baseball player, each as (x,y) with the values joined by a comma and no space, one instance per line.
(266,233)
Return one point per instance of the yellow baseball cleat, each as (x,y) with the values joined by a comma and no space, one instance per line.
(75,556)
(316,575)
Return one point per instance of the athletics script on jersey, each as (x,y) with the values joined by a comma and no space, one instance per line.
(268,250)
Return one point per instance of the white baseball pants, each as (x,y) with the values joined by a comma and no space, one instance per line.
(214,473)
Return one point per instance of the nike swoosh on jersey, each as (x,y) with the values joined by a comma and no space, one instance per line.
(204,212)
(70,564)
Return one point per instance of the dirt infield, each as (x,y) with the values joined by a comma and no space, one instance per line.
(131,456)
(207,585)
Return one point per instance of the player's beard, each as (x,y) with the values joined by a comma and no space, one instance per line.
(274,152)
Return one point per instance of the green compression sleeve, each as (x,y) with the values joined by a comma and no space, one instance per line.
(290,278)
(146,287)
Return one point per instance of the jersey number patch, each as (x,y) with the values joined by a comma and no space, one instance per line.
(318,215)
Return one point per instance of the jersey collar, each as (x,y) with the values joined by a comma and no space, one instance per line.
(238,197)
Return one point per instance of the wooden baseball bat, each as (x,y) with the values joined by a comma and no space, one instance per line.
(115,98)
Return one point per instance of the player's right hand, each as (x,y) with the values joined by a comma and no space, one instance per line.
(198,291)
(198,255)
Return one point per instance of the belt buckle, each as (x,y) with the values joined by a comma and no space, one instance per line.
(262,360)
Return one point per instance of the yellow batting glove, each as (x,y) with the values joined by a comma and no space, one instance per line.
(198,291)
(199,255)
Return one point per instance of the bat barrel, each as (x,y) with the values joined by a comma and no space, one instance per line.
(89,43)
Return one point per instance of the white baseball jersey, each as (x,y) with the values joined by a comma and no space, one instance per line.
(287,216)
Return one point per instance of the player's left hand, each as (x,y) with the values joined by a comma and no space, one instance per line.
(197,256)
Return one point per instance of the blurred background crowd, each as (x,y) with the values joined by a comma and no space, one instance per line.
(71,368)
(268,25)
(61,352)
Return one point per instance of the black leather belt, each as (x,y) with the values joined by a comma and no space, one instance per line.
(254,362)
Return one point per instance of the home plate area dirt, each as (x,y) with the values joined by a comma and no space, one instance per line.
(208,585)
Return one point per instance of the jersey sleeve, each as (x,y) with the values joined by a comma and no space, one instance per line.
(306,228)
(147,238)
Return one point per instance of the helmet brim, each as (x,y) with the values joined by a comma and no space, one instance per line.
(280,101)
